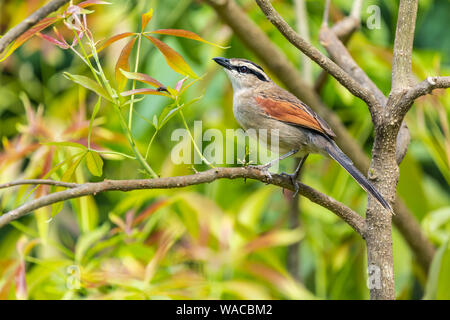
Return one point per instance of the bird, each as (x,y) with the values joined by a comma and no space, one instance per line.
(259,103)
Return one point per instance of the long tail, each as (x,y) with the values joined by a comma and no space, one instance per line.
(337,154)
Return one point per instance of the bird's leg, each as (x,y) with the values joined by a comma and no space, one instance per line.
(294,176)
(265,167)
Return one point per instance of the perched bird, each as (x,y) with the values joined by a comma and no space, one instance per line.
(258,103)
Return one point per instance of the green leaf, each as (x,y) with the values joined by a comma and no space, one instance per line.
(438,284)
(142,77)
(88,83)
(88,240)
(67,176)
(94,163)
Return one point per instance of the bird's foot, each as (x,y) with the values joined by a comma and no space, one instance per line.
(293,178)
(265,169)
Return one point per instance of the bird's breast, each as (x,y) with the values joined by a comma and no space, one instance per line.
(280,135)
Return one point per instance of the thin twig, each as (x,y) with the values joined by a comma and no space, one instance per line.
(26,24)
(39,181)
(422,88)
(348,215)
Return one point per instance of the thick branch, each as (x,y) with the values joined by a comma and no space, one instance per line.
(348,215)
(347,81)
(403,44)
(26,24)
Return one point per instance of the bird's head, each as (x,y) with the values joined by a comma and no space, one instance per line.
(243,73)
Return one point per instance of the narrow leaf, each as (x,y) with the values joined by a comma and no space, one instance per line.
(53,40)
(142,77)
(94,163)
(115,38)
(144,91)
(41,25)
(146,17)
(173,59)
(122,63)
(88,83)
(184,34)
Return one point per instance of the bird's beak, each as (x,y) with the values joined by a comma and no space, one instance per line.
(224,62)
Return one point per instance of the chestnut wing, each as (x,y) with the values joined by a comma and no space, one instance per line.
(293,112)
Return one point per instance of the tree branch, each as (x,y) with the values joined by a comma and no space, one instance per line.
(26,24)
(340,75)
(422,88)
(39,181)
(403,44)
(80,190)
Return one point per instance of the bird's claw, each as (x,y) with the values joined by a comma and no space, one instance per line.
(293,178)
(264,168)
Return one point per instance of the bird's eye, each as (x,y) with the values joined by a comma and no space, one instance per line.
(243,69)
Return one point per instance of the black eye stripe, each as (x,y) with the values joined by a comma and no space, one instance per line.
(258,74)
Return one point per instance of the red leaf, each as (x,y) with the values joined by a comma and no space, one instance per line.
(144,91)
(142,77)
(122,63)
(53,40)
(115,38)
(41,25)
(184,34)
(173,59)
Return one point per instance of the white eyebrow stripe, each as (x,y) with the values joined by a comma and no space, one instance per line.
(254,68)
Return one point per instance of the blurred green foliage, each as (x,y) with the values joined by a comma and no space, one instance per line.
(228,239)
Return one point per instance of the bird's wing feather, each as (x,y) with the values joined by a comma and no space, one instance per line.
(294,112)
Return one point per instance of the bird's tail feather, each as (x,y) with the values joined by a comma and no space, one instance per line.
(337,154)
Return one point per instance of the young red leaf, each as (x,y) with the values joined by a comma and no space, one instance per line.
(184,34)
(122,63)
(146,17)
(142,77)
(41,25)
(89,3)
(115,38)
(173,58)
(53,40)
(144,91)
(180,84)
